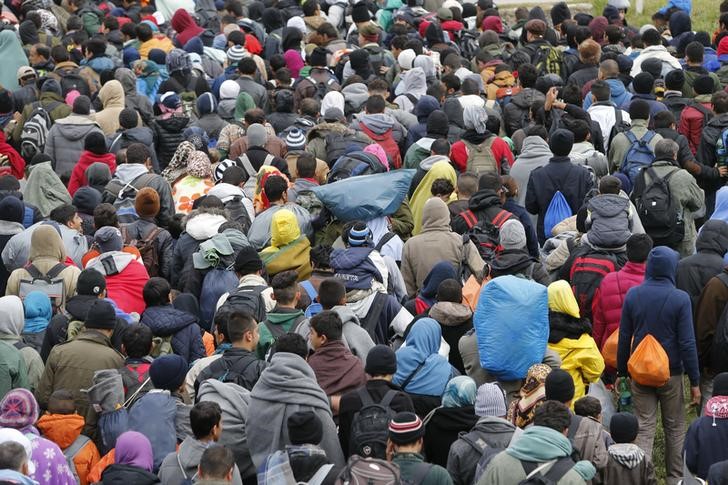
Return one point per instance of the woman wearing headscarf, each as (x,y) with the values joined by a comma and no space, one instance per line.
(149,78)
(409,90)
(38,313)
(440,170)
(133,461)
(531,395)
(190,175)
(13,58)
(466,153)
(44,189)
(421,371)
(381,228)
(427,296)
(570,336)
(11,330)
(456,414)
(289,249)
(291,46)
(19,410)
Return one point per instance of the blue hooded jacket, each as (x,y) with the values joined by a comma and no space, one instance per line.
(656,307)
(619,94)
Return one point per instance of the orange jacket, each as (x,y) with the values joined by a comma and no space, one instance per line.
(209,342)
(63,429)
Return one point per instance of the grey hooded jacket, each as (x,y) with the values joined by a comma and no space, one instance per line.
(534,154)
(354,336)
(182,465)
(65,141)
(132,99)
(609,220)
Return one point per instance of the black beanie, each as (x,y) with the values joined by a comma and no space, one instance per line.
(381,361)
(359,59)
(317,58)
(437,124)
(559,13)
(360,13)
(168,372)
(559,384)
(12,209)
(624,427)
(720,384)
(703,85)
(304,427)
(82,105)
(675,79)
(95,143)
(561,142)
(101,315)
(643,83)
(248,261)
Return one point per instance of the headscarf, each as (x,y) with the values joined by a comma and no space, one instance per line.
(475,118)
(459,392)
(379,227)
(440,170)
(260,200)
(421,346)
(442,271)
(187,302)
(19,410)
(11,52)
(13,316)
(43,188)
(378,152)
(333,99)
(562,300)
(148,72)
(243,103)
(38,312)
(532,393)
(134,449)
(48,22)
(198,165)
(187,160)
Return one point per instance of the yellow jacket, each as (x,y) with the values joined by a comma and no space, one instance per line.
(288,249)
(582,360)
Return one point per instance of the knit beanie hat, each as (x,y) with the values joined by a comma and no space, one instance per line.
(108,239)
(170,100)
(95,143)
(146,203)
(304,427)
(257,136)
(720,384)
(490,401)
(248,261)
(229,89)
(438,124)
(51,86)
(90,283)
(219,171)
(559,386)
(206,104)
(559,13)
(359,59)
(158,56)
(358,235)
(18,409)
(168,372)
(295,140)
(624,427)
(381,361)
(130,54)
(12,209)
(86,199)
(101,315)
(82,105)
(178,60)
(406,428)
(360,13)
(318,57)
(643,83)
(561,142)
(235,53)
(675,79)
(703,85)
(512,235)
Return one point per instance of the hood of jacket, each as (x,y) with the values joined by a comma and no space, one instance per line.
(378,122)
(75,127)
(325,128)
(226,192)
(454,419)
(166,320)
(8,228)
(346,314)
(534,147)
(510,261)
(127,79)
(78,306)
(349,258)
(662,264)
(50,247)
(288,379)
(713,237)
(356,93)
(111,94)
(609,205)
(13,321)
(190,452)
(138,134)
(435,216)
(428,162)
(483,199)
(202,224)
(451,314)
(628,455)
(414,82)
(284,228)
(617,88)
(569,332)
(61,429)
(281,316)
(540,444)
(111,263)
(527,97)
(127,172)
(173,124)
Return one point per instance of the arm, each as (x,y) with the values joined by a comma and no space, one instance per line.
(599,324)
(692,448)
(45,387)
(408,273)
(166,256)
(626,330)
(686,340)
(531,196)
(75,182)
(475,262)
(707,313)
(592,366)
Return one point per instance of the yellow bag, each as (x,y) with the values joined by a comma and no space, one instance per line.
(609,349)
(649,365)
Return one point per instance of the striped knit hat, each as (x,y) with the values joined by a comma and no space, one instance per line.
(490,401)
(406,428)
(235,53)
(359,234)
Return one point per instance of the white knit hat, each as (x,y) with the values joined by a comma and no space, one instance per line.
(406,59)
(229,89)
(490,401)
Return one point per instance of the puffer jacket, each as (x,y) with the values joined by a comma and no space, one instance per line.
(168,136)
(580,358)
(63,430)
(608,220)
(706,441)
(694,271)
(65,141)
(517,110)
(132,99)
(182,326)
(609,298)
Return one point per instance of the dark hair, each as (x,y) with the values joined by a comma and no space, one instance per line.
(651,37)
(639,247)
(204,416)
(43,50)
(310,107)
(451,81)
(111,23)
(539,131)
(59,54)
(450,290)
(238,324)
(331,292)
(588,406)
(95,46)
(470,86)
(137,153)
(128,29)
(309,7)
(719,101)
(220,323)
(436,90)
(12,456)
(275,186)
(144,32)
(601,90)
(441,187)
(639,109)
(156,292)
(615,34)
(236,37)
(440,147)
(580,129)
(321,257)
(552,414)
(378,84)
(306,165)
(254,115)
(247,66)
(285,287)
(328,323)
(137,340)
(292,343)
(664,119)
(527,75)
(235,7)
(695,52)
(234,175)
(416,45)
(328,30)
(399,42)
(63,214)
(105,215)
(375,104)
(216,462)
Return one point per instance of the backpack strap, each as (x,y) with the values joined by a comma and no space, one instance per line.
(388,398)
(365,397)
(383,241)
(152,235)
(421,471)
(268,159)
(412,375)
(321,474)
(275,330)
(469,217)
(370,322)
(77,445)
(572,429)
(412,98)
(34,272)
(501,218)
(648,137)
(247,166)
(310,290)
(723,277)
(55,271)
(630,136)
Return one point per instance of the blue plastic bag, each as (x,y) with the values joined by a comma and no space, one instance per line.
(365,197)
(512,326)
(557,211)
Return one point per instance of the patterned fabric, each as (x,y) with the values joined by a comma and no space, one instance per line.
(51,467)
(178,165)
(187,190)
(532,393)
(459,392)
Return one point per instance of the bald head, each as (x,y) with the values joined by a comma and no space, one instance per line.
(608,69)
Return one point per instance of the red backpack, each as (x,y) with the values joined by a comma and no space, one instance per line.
(386,141)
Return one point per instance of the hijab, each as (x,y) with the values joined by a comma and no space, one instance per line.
(38,312)
(11,308)
(178,165)
(19,410)
(420,351)
(243,103)
(133,449)
(333,99)
(475,118)
(379,227)
(439,170)
(459,392)
(11,52)
(442,271)
(532,393)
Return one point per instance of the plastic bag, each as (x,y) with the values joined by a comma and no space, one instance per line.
(606,399)
(557,211)
(649,365)
(609,350)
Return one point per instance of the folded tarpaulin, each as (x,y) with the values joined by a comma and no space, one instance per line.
(366,197)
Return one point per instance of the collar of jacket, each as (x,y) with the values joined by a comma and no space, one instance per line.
(560,160)
(665,163)
(93,335)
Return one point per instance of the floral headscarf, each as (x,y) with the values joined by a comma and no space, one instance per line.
(178,165)
(198,165)
(532,394)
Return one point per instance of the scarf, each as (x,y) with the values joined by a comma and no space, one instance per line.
(177,166)
(337,369)
(419,358)
(44,189)
(459,392)
(134,449)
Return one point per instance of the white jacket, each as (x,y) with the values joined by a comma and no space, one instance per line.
(669,62)
(604,115)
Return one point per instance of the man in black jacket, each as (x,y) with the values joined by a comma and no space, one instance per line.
(706,151)
(694,272)
(239,364)
(484,205)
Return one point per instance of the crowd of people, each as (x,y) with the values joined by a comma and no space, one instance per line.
(376,241)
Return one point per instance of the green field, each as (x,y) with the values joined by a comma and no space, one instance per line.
(704,13)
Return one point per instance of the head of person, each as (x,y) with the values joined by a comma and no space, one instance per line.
(134,449)
(639,109)
(490,401)
(589,407)
(168,372)
(638,248)
(101,317)
(305,428)
(95,142)
(381,363)
(561,142)
(624,427)
(276,189)
(82,106)
(216,464)
(306,165)
(242,330)
(666,149)
(406,433)
(15,452)
(91,283)
(332,292)
(67,215)
(108,239)
(286,291)
(719,101)
(136,342)
(467,185)
(459,392)
(291,343)
(156,292)
(610,185)
(206,421)
(247,262)
(560,386)
(325,327)
(600,91)
(139,154)
(553,414)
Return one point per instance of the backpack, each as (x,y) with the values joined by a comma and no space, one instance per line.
(337,144)
(353,164)
(486,452)
(718,355)
(161,346)
(639,155)
(609,349)
(369,471)
(216,283)
(238,212)
(51,284)
(721,149)
(315,307)
(70,80)
(124,195)
(558,210)
(468,41)
(587,271)
(206,14)
(308,200)
(649,365)
(321,89)
(35,130)
(480,157)
(370,425)
(549,60)
(233,374)
(73,450)
(660,214)
(136,379)
(248,299)
(534,476)
(154,415)
(147,247)
(386,141)
(485,234)
(620,126)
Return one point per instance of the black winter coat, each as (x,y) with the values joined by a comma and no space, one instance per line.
(184,248)
(694,271)
(140,134)
(444,429)
(239,361)
(518,261)
(485,204)
(126,475)
(685,157)
(707,156)
(186,333)
(168,136)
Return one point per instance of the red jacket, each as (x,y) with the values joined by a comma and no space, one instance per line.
(125,279)
(691,125)
(78,175)
(500,149)
(609,298)
(16,164)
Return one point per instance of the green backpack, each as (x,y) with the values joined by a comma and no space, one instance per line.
(550,60)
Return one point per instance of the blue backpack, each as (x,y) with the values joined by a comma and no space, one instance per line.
(315,307)
(721,148)
(217,282)
(557,211)
(155,416)
(638,156)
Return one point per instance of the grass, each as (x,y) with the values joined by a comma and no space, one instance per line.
(704,13)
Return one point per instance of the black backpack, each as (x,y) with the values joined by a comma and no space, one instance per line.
(70,80)
(370,426)
(660,214)
(337,144)
(206,14)
(718,355)
(552,477)
(620,126)
(353,164)
(485,234)
(248,299)
(238,212)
